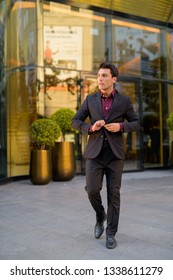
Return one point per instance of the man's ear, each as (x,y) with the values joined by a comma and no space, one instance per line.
(114,79)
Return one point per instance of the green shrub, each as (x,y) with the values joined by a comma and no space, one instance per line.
(63,117)
(169,122)
(44,132)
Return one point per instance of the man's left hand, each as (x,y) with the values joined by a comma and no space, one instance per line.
(112,127)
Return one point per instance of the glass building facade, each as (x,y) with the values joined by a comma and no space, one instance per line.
(49,55)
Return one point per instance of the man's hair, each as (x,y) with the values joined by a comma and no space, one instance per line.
(108,65)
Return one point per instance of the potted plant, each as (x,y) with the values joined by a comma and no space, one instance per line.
(43,134)
(169,122)
(63,155)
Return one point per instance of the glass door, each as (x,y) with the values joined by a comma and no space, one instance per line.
(152,121)
(131,88)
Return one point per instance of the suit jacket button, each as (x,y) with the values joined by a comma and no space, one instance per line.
(101,136)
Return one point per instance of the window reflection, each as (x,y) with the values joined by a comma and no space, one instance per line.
(152,124)
(170,55)
(136,49)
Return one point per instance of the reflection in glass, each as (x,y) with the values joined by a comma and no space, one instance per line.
(170,55)
(3,153)
(20,61)
(130,139)
(152,124)
(73,38)
(136,49)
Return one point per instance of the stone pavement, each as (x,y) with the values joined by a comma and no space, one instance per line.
(56,221)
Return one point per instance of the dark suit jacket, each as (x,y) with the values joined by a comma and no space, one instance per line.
(122,109)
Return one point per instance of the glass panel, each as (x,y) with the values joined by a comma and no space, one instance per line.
(170,110)
(61,91)
(164,133)
(72,37)
(3,156)
(163,55)
(136,49)
(21,108)
(152,124)
(131,139)
(170,55)
(20,60)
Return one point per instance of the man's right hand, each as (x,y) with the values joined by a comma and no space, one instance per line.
(97,125)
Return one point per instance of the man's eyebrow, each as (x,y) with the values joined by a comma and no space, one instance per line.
(102,74)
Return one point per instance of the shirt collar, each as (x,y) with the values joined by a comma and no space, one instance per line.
(110,96)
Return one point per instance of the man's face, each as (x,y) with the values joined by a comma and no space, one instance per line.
(105,80)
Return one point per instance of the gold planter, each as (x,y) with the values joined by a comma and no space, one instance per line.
(63,161)
(40,167)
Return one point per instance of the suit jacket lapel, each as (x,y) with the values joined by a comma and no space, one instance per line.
(99,104)
(114,104)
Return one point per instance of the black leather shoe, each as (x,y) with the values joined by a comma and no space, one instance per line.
(111,243)
(99,227)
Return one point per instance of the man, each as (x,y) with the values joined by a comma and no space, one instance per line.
(107,111)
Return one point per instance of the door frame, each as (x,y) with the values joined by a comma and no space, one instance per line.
(138,91)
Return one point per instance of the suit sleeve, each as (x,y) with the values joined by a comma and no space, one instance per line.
(132,123)
(79,120)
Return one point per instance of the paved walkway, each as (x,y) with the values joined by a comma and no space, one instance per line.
(56,222)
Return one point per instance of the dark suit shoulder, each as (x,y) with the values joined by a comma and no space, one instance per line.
(93,95)
(121,96)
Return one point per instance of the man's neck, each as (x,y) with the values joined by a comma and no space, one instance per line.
(107,93)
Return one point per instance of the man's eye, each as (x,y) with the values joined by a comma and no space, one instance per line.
(104,75)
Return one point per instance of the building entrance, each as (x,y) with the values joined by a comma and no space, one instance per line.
(154,132)
(132,140)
